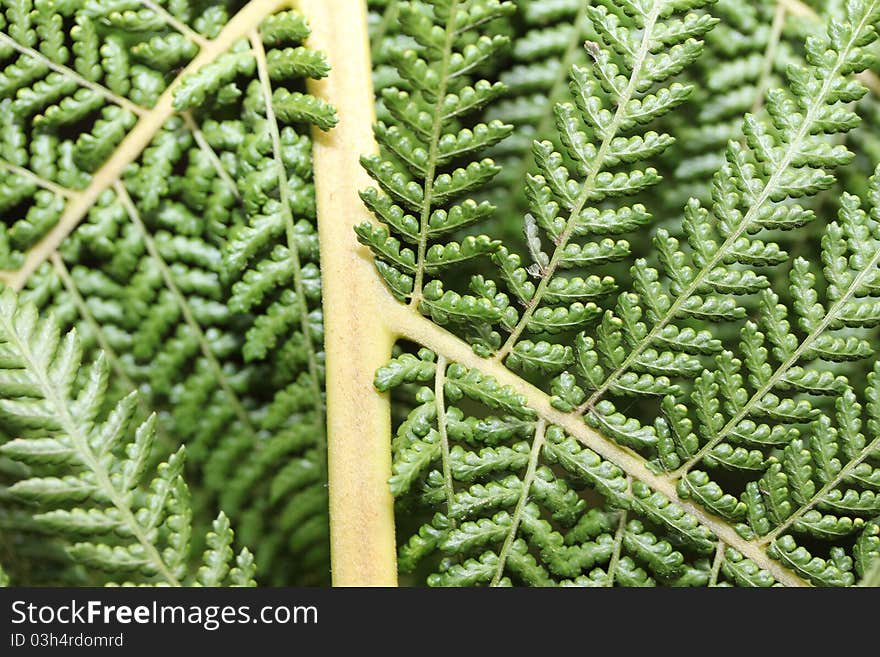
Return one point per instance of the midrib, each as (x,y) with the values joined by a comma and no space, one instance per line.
(292,247)
(74,429)
(431,170)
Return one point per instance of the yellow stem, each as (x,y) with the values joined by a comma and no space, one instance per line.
(357,339)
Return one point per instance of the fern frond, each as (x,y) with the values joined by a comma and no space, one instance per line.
(746,412)
(71,97)
(641,346)
(515,500)
(199,273)
(89,470)
(429,169)
(810,489)
(272,262)
(779,358)
(30,552)
(631,75)
(510,488)
(604,389)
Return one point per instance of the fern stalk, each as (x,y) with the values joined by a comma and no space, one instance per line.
(440,402)
(717,562)
(817,497)
(284,194)
(389,16)
(537,445)
(45,184)
(182,303)
(206,148)
(358,337)
(618,544)
(436,131)
(363,320)
(67,72)
(100,337)
(180,26)
(83,309)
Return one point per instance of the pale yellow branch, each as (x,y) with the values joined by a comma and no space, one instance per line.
(357,340)
(717,563)
(618,541)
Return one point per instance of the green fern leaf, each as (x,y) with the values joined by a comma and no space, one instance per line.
(42,398)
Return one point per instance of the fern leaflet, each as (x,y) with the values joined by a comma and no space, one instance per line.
(89,470)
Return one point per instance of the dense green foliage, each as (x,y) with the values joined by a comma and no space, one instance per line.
(197,272)
(83,469)
(696,356)
(655,223)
